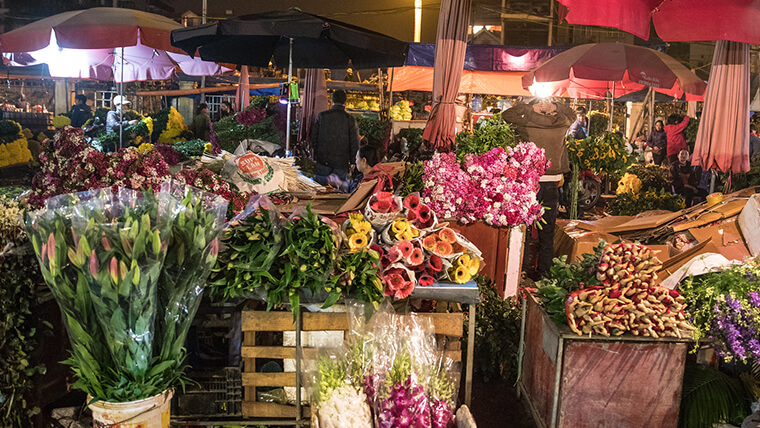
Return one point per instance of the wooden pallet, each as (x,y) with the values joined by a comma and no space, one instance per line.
(449,325)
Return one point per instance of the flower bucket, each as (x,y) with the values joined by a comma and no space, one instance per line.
(152,412)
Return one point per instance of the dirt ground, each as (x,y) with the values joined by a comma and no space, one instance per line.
(495,405)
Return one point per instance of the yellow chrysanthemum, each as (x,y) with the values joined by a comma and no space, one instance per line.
(208,147)
(144,147)
(60,121)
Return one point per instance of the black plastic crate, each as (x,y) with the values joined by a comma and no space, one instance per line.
(218,393)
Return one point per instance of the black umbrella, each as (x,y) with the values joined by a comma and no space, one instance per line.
(298,38)
(317,42)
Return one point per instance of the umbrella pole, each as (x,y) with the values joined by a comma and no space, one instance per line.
(121,94)
(290,78)
(612,107)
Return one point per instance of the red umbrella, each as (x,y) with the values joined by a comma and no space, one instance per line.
(95,28)
(590,71)
(674,20)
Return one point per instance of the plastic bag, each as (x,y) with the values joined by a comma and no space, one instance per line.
(192,252)
(101,252)
(250,247)
(253,173)
(403,360)
(339,402)
(443,393)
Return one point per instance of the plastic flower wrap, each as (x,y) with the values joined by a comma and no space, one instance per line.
(382,207)
(250,245)
(339,403)
(443,393)
(403,361)
(399,281)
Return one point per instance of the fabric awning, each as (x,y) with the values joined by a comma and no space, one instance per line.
(411,78)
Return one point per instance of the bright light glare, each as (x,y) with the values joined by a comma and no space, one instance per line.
(541,90)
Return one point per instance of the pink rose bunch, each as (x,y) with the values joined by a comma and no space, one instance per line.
(498,187)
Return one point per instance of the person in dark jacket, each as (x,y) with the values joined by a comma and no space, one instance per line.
(684,178)
(201,125)
(335,140)
(225,109)
(658,141)
(80,111)
(545,124)
(579,128)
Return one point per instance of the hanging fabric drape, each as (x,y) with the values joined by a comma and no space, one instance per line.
(314,101)
(723,136)
(243,94)
(451,44)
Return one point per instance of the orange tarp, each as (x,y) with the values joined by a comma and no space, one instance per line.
(413,78)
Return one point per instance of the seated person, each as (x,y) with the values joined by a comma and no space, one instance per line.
(367,168)
(684,178)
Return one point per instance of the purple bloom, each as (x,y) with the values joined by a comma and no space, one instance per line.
(754,298)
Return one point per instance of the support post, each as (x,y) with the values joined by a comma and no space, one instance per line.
(470,356)
(290,79)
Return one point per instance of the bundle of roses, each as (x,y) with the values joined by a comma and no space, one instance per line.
(498,187)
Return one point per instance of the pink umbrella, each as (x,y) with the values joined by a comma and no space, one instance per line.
(104,44)
(450,46)
(314,101)
(243,94)
(723,136)
(674,20)
(592,70)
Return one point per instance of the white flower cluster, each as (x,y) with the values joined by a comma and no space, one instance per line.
(346,408)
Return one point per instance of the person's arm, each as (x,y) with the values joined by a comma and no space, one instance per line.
(682,126)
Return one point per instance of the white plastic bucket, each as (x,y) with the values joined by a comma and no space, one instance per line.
(153,412)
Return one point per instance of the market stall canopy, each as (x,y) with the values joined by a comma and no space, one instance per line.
(487,57)
(90,43)
(411,78)
(592,70)
(317,42)
(674,20)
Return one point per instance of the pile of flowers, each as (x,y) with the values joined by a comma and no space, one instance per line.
(414,250)
(725,309)
(13,144)
(498,187)
(70,164)
(172,129)
(60,121)
(605,153)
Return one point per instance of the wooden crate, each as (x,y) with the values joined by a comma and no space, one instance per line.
(449,325)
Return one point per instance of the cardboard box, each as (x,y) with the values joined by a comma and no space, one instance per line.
(573,241)
(337,203)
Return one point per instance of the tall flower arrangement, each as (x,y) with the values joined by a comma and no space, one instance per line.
(498,186)
(13,144)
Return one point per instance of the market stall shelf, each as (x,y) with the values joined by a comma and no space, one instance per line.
(581,381)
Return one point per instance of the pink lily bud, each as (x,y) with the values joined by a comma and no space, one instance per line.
(43,252)
(214,248)
(106,243)
(93,264)
(51,247)
(114,270)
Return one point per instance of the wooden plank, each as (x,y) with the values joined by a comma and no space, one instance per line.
(271,410)
(209,90)
(284,352)
(283,321)
(447,324)
(269,379)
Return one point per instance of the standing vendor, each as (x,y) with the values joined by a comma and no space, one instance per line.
(545,123)
(335,140)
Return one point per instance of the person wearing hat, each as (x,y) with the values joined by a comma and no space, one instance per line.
(114,118)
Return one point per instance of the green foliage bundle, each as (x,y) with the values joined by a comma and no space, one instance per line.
(110,142)
(412,179)
(604,153)
(190,148)
(564,278)
(229,132)
(489,134)
(18,335)
(374,130)
(413,138)
(497,333)
(630,203)
(653,177)
(710,397)
(598,122)
(690,133)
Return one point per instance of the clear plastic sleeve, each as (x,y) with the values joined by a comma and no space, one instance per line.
(443,392)
(340,403)
(249,249)
(192,252)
